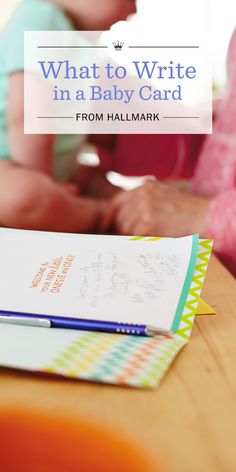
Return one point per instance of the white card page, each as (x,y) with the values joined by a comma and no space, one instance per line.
(107,278)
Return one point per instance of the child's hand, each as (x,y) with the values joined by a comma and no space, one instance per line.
(157,209)
(103,208)
(91,214)
(70,188)
(110,211)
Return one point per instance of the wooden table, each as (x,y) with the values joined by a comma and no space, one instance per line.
(190,420)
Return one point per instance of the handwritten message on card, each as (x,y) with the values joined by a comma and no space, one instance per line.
(103,278)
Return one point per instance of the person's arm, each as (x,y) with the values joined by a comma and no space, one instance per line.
(31,200)
(31,151)
(157,209)
(216,169)
(221,223)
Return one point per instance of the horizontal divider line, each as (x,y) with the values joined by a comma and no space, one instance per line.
(52,117)
(183,117)
(164,47)
(72,47)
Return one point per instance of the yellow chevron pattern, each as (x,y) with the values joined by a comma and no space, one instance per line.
(205,248)
(139,238)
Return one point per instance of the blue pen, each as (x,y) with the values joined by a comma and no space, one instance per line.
(43,321)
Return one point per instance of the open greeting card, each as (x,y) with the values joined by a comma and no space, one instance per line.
(102,308)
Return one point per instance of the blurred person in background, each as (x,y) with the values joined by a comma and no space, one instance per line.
(35,170)
(206,204)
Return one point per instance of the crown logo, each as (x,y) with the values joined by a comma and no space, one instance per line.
(118,45)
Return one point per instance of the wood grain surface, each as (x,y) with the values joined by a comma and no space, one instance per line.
(189,422)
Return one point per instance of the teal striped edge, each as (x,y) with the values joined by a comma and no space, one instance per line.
(187,284)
